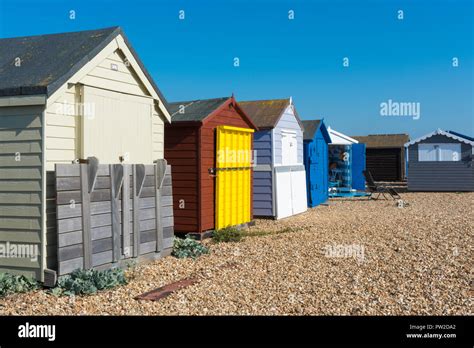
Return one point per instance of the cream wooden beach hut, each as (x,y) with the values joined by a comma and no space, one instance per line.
(65,97)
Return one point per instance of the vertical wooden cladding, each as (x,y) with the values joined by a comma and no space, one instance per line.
(181,151)
(227,116)
(190,148)
(21,180)
(123,216)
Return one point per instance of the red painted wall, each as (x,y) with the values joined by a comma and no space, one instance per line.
(228,116)
(190,149)
(182,153)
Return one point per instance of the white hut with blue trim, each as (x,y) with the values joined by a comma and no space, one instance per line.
(279,188)
(441,161)
(346,165)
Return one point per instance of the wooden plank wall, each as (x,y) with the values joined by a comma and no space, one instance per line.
(440,176)
(262,193)
(51,229)
(62,129)
(181,151)
(384,164)
(263,174)
(21,179)
(228,116)
(104,235)
(167,217)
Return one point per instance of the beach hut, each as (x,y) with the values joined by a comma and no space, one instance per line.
(279,187)
(316,140)
(441,161)
(209,145)
(385,155)
(346,164)
(76,97)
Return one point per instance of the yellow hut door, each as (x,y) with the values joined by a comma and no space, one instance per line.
(234,176)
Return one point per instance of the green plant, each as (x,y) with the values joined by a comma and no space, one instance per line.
(260,233)
(131,269)
(188,247)
(86,282)
(10,283)
(228,234)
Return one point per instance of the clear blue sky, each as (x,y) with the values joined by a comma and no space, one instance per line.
(408,60)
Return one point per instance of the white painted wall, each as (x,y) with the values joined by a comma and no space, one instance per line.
(288,122)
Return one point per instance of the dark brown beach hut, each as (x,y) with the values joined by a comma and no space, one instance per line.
(385,155)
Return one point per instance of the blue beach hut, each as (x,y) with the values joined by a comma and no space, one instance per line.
(315,144)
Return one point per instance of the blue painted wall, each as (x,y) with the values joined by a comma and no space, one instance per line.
(317,168)
(441,176)
(262,174)
(268,154)
(358,166)
(262,144)
(262,193)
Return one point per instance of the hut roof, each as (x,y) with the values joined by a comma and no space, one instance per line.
(461,135)
(311,127)
(266,113)
(48,61)
(383,140)
(450,134)
(338,138)
(194,110)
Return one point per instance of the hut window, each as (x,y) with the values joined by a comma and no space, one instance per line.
(439,152)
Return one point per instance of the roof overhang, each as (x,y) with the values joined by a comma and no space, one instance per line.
(288,104)
(23,100)
(185,124)
(324,131)
(118,42)
(440,132)
(338,138)
(231,102)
